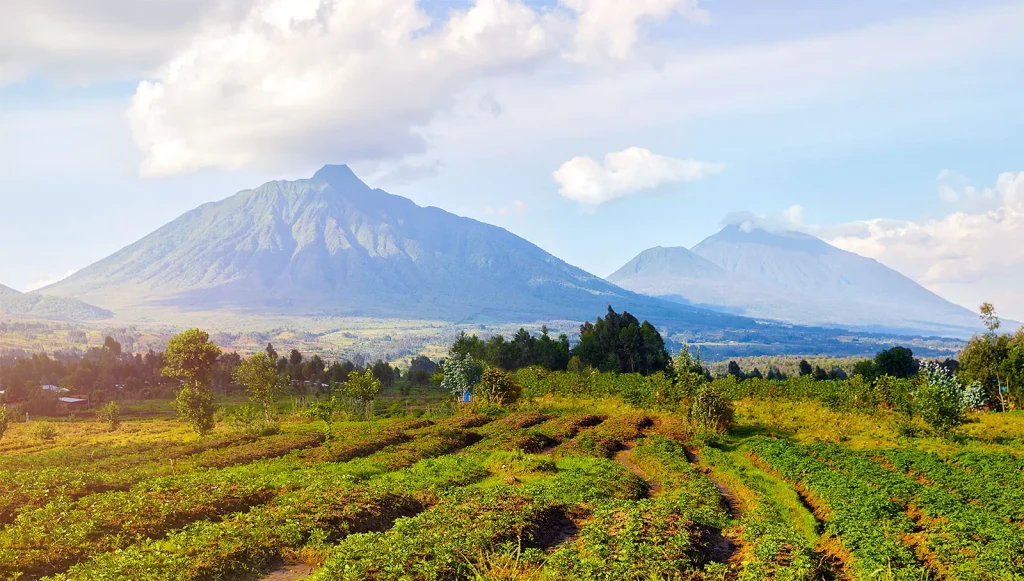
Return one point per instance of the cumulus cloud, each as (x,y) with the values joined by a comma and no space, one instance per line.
(72,41)
(608,29)
(966,256)
(625,173)
(792,218)
(348,79)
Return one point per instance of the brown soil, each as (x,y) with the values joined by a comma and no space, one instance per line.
(289,572)
(624,457)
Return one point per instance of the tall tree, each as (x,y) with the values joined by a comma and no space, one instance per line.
(190,357)
(259,375)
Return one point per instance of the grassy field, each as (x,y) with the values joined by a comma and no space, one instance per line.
(556,488)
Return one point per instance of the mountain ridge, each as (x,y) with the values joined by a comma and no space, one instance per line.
(13,302)
(332,245)
(793,277)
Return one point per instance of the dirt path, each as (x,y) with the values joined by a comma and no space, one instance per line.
(624,457)
(288,572)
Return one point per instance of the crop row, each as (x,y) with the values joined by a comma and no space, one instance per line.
(476,532)
(608,437)
(63,532)
(533,432)
(773,547)
(245,543)
(33,488)
(865,521)
(961,540)
(995,492)
(670,536)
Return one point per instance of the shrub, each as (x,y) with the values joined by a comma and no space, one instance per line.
(195,406)
(711,411)
(252,421)
(498,387)
(4,421)
(110,414)
(939,398)
(45,432)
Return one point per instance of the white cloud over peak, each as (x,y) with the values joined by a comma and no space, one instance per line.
(349,79)
(625,173)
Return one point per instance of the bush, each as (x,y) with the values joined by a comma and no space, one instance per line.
(4,421)
(195,406)
(252,421)
(110,414)
(939,398)
(498,387)
(45,432)
(711,411)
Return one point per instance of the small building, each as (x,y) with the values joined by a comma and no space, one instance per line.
(55,389)
(73,402)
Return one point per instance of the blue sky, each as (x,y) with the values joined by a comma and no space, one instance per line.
(848,110)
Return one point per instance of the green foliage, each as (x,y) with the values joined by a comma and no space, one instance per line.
(498,387)
(251,420)
(190,357)
(939,399)
(711,411)
(44,432)
(363,389)
(461,372)
(259,375)
(195,407)
(4,421)
(620,342)
(109,414)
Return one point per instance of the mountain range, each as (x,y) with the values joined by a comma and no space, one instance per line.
(332,246)
(39,305)
(792,277)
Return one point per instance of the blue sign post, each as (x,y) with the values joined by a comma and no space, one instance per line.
(465,396)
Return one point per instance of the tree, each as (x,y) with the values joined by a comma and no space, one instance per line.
(939,398)
(896,362)
(271,353)
(497,386)
(111,346)
(461,373)
(623,344)
(988,317)
(711,411)
(189,358)
(110,414)
(805,368)
(734,370)
(259,375)
(363,388)
(4,421)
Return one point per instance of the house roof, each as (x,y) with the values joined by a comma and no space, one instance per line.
(71,399)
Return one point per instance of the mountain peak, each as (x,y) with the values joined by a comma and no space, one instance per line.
(340,177)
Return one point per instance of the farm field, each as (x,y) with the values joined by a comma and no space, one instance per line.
(552,488)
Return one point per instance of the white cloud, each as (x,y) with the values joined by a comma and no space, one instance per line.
(610,28)
(625,173)
(72,41)
(970,253)
(792,218)
(345,80)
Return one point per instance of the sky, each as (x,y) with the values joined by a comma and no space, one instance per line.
(593,128)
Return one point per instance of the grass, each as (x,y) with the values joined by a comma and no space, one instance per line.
(556,488)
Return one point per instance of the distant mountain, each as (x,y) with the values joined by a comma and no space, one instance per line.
(13,302)
(793,277)
(330,245)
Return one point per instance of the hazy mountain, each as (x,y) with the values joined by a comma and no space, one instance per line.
(331,245)
(793,277)
(33,304)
